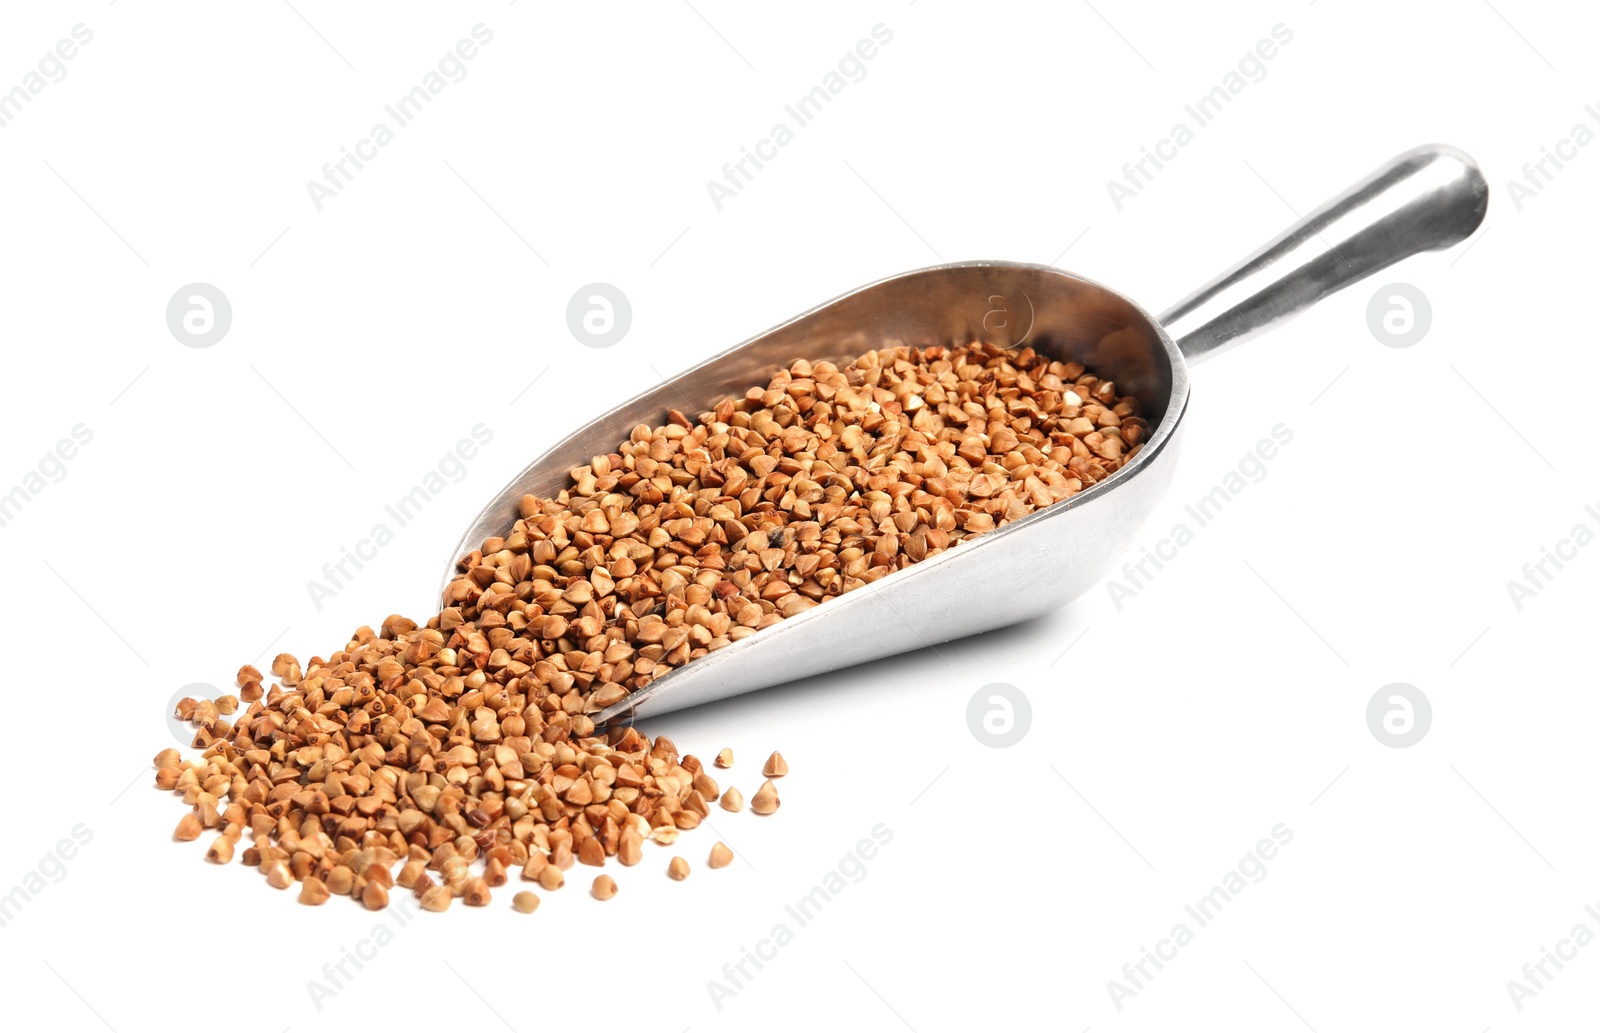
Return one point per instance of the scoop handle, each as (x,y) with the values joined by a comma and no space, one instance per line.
(1423,200)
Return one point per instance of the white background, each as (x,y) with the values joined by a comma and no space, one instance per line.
(1227,697)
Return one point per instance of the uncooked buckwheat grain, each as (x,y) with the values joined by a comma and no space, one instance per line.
(470,740)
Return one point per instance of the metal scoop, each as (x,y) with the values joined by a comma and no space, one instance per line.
(1425,199)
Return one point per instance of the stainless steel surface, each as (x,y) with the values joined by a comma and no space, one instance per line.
(1425,199)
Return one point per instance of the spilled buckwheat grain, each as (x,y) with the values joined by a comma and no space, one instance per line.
(470,738)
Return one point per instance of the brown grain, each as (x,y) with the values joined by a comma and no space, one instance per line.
(220,851)
(630,850)
(341,880)
(765,801)
(374,897)
(436,898)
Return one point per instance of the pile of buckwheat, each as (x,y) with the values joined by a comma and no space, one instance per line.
(470,739)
